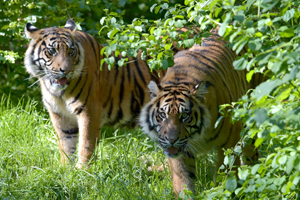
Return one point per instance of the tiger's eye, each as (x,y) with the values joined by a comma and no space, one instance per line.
(51,51)
(71,51)
(184,116)
(162,115)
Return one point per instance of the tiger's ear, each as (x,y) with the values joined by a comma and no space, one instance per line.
(71,25)
(154,90)
(199,89)
(31,31)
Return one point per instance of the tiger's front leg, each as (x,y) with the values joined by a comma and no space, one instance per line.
(67,133)
(89,128)
(183,172)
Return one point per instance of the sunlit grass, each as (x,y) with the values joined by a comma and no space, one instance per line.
(30,165)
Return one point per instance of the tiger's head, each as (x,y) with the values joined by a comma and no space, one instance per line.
(53,55)
(175,116)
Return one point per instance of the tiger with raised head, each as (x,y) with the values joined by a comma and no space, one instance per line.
(184,108)
(80,97)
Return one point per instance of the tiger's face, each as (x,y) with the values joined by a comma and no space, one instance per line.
(53,55)
(175,117)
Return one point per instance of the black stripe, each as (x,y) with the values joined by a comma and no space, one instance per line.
(191,174)
(80,109)
(121,94)
(110,108)
(139,91)
(119,116)
(70,131)
(108,98)
(139,72)
(80,37)
(92,43)
(117,68)
(223,145)
(128,72)
(219,131)
(134,105)
(77,96)
(77,82)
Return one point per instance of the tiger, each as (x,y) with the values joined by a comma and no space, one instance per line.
(184,108)
(79,97)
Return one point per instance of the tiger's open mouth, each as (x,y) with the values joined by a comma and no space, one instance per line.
(61,81)
(172,152)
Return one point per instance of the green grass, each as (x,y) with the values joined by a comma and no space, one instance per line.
(30,165)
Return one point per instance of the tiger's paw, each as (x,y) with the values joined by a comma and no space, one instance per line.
(82,165)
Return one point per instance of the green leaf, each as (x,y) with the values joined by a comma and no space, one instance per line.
(160,55)
(240,64)
(101,64)
(288,15)
(222,29)
(121,62)
(123,53)
(168,46)
(265,88)
(255,44)
(164,64)
(261,183)
(178,23)
(153,7)
(189,42)
(249,23)
(282,160)
(165,6)
(108,50)
(290,164)
(279,181)
(102,50)
(258,142)
(218,121)
(102,20)
(260,116)
(241,46)
(286,32)
(170,62)
(231,184)
(249,75)
(239,18)
(243,174)
(255,169)
(112,33)
(131,53)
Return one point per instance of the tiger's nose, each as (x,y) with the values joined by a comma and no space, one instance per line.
(172,139)
(65,70)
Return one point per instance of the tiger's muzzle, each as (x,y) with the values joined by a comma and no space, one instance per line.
(170,137)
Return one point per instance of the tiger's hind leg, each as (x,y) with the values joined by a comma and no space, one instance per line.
(67,133)
(183,171)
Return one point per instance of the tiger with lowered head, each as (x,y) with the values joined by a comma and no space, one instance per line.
(184,108)
(80,97)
